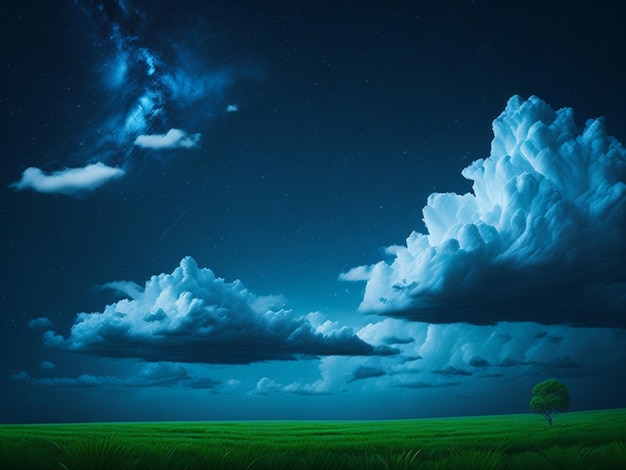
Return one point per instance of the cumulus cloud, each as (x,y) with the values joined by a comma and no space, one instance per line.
(335,372)
(68,181)
(47,365)
(174,138)
(192,316)
(232,108)
(539,238)
(266,386)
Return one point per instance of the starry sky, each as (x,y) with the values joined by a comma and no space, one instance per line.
(310,210)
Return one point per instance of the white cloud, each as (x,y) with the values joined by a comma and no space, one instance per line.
(232,108)
(68,181)
(192,316)
(174,138)
(540,238)
(266,386)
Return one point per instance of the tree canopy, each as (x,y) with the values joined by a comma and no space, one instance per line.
(549,397)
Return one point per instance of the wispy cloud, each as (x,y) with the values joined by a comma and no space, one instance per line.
(68,181)
(540,238)
(192,316)
(151,375)
(366,372)
(40,323)
(174,138)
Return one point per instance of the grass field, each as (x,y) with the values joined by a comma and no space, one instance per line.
(591,439)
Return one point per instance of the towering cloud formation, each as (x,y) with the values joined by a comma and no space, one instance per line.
(541,236)
(192,316)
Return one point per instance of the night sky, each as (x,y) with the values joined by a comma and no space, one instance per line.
(310,210)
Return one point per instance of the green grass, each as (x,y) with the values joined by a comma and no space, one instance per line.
(591,439)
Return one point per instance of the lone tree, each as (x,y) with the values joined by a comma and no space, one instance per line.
(549,397)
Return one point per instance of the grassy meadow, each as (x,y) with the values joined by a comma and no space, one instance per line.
(590,439)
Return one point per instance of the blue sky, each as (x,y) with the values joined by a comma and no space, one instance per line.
(295,211)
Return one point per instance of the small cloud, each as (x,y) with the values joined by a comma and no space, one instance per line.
(47,365)
(424,385)
(40,323)
(175,138)
(159,374)
(69,181)
(479,362)
(509,362)
(397,340)
(82,381)
(412,358)
(451,371)
(304,390)
(491,376)
(555,339)
(565,362)
(366,372)
(204,383)
(21,376)
(266,386)
(232,108)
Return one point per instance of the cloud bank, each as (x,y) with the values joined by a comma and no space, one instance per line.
(475,356)
(458,351)
(68,181)
(540,238)
(174,138)
(192,316)
(150,375)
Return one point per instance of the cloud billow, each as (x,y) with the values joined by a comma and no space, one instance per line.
(539,238)
(192,316)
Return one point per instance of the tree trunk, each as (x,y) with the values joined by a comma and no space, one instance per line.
(549,418)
